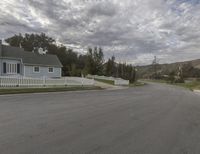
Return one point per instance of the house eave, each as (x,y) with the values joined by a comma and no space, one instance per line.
(12,58)
(29,64)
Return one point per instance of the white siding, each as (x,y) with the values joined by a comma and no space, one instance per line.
(10,61)
(1,66)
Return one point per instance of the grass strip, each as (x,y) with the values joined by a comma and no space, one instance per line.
(105,81)
(4,91)
(193,85)
(137,84)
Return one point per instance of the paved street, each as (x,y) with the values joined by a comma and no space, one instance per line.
(153,119)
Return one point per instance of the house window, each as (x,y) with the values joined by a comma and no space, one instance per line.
(4,68)
(50,69)
(18,68)
(10,68)
(36,69)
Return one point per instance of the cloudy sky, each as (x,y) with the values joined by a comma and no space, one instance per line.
(132,30)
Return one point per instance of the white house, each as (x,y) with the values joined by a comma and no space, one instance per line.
(14,61)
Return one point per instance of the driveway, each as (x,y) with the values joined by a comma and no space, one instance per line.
(153,119)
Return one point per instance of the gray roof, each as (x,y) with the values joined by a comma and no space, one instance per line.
(30,58)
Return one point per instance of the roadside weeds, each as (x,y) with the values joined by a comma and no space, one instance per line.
(5,91)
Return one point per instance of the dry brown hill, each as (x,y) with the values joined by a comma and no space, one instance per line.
(146,71)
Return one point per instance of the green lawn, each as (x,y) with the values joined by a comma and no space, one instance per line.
(4,91)
(156,81)
(105,81)
(137,84)
(193,85)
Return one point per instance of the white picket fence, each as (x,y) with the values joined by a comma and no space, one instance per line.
(41,82)
(117,81)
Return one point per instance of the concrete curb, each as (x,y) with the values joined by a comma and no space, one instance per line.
(196,91)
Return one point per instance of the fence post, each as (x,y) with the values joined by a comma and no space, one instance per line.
(93,82)
(44,81)
(0,82)
(65,81)
(82,81)
(18,81)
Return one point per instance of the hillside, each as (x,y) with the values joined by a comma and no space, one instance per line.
(164,69)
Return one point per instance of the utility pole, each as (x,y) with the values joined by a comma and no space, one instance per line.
(135,74)
(154,64)
(180,74)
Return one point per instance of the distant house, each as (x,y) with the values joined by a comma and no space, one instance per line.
(14,61)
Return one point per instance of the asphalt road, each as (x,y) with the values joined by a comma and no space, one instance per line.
(153,119)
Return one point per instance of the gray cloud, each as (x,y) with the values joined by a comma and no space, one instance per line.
(133,31)
(103,9)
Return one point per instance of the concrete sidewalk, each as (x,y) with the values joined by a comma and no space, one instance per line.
(196,91)
(109,86)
